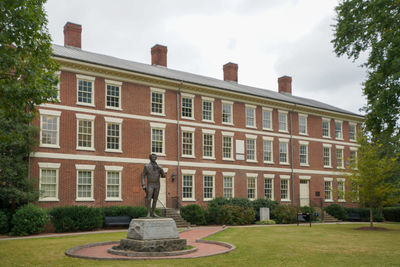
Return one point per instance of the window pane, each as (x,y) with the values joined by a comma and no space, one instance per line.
(49,129)
(338,129)
(325,128)
(328,190)
(282,121)
(84,133)
(268,188)
(156,102)
(187,143)
(208,145)
(250,149)
(113,96)
(207,110)
(228,187)
(283,158)
(268,151)
(208,187)
(48,183)
(302,125)
(84,91)
(113,184)
(227,113)
(304,154)
(157,139)
(84,184)
(251,187)
(187,186)
(285,189)
(227,147)
(327,156)
(187,105)
(113,133)
(266,120)
(250,117)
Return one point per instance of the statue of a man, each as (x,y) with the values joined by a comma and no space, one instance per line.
(153,171)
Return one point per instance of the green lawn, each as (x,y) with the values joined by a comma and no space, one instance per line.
(321,245)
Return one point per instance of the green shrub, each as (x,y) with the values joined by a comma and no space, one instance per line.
(364,214)
(194,214)
(265,222)
(263,203)
(392,214)
(286,213)
(133,212)
(236,215)
(4,225)
(76,218)
(310,210)
(336,211)
(29,219)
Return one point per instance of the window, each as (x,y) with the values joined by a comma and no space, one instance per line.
(157,101)
(49,128)
(328,189)
(113,94)
(113,134)
(251,147)
(187,106)
(267,119)
(188,185)
(283,151)
(285,193)
(269,186)
(251,186)
(229,184)
(250,116)
(303,151)
(208,107)
(303,124)
(84,185)
(58,74)
(227,146)
(113,183)
(282,116)
(227,112)
(326,128)
(353,155)
(352,132)
(327,156)
(338,130)
(208,144)
(48,181)
(341,189)
(268,149)
(187,142)
(208,185)
(85,92)
(85,132)
(339,157)
(158,138)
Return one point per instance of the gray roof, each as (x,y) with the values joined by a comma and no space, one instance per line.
(109,61)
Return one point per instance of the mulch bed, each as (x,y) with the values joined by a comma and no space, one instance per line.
(367,228)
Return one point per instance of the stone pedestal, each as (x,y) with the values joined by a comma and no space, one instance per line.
(264,214)
(154,245)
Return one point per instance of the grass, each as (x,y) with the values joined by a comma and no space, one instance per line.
(320,245)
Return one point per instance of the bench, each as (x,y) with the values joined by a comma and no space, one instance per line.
(117,221)
(303,217)
(353,217)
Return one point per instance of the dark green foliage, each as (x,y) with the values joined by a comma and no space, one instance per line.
(76,218)
(336,211)
(310,210)
(194,214)
(392,214)
(286,214)
(263,203)
(133,212)
(4,225)
(29,219)
(236,215)
(364,214)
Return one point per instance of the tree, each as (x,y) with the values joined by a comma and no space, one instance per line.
(369,177)
(27,79)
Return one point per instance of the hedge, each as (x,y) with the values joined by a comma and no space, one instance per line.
(336,211)
(286,214)
(194,214)
(364,214)
(29,219)
(76,218)
(392,214)
(4,225)
(236,215)
(133,212)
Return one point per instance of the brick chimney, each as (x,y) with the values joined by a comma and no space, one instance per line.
(285,84)
(72,35)
(159,55)
(231,72)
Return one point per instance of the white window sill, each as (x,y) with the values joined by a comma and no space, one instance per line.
(188,156)
(305,134)
(327,137)
(226,159)
(49,146)
(285,200)
(269,162)
(305,164)
(251,160)
(85,148)
(114,199)
(208,121)
(328,167)
(85,104)
(188,199)
(251,126)
(84,199)
(228,123)
(328,200)
(114,108)
(283,131)
(340,168)
(341,200)
(49,200)
(210,158)
(207,199)
(251,199)
(284,163)
(339,138)
(113,151)
(352,140)
(267,129)
(158,114)
(159,154)
(188,118)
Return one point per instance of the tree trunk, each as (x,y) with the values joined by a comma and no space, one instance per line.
(371,218)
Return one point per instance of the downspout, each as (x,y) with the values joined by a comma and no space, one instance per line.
(178,147)
(291,153)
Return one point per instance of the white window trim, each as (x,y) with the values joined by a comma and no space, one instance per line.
(343,180)
(231,135)
(229,174)
(340,148)
(270,176)
(162,92)
(355,131)
(304,143)
(209,173)
(227,103)
(252,175)
(58,74)
(114,121)
(52,166)
(89,79)
(306,117)
(89,118)
(284,140)
(341,129)
(84,167)
(287,126)
(285,177)
(329,128)
(119,170)
(192,173)
(212,133)
(252,137)
(54,113)
(117,84)
(186,95)
(190,130)
(271,139)
(304,177)
(158,126)
(254,108)
(262,115)
(328,179)
(208,99)
(330,156)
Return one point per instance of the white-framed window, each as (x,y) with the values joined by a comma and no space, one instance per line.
(48,181)
(267,118)
(85,132)
(208,144)
(328,196)
(113,134)
(250,116)
(227,145)
(208,109)
(252,186)
(188,185)
(157,101)
(283,121)
(158,138)
(303,124)
(341,189)
(303,153)
(49,128)
(269,186)
(227,112)
(187,102)
(113,183)
(58,74)
(285,188)
(188,142)
(326,127)
(339,157)
(352,131)
(338,129)
(283,151)
(327,155)
(85,90)
(268,147)
(353,154)
(84,182)
(208,185)
(113,94)
(229,184)
(251,148)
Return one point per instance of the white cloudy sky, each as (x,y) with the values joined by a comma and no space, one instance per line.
(266,38)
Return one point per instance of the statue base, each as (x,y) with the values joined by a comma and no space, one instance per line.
(155,245)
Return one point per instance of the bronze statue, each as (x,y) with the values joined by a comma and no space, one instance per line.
(153,171)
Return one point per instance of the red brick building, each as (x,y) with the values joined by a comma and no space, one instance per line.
(215,138)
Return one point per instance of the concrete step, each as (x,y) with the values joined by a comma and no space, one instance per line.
(174,214)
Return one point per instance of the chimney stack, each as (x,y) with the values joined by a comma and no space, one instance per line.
(72,35)
(285,84)
(231,72)
(159,55)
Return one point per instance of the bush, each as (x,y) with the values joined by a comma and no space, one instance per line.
(336,211)
(4,225)
(133,212)
(364,214)
(310,210)
(76,218)
(236,215)
(392,214)
(286,213)
(194,214)
(266,222)
(263,203)
(29,219)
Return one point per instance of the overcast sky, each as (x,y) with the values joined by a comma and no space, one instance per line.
(266,38)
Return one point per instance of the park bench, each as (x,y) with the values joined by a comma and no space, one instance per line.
(303,217)
(353,216)
(116,221)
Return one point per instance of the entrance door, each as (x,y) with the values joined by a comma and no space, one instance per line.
(304,193)
(162,196)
